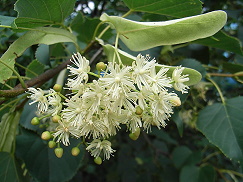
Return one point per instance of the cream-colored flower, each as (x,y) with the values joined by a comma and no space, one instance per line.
(64,131)
(178,80)
(37,95)
(55,105)
(97,147)
(141,71)
(80,73)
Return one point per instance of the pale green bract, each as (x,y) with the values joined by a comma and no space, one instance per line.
(140,36)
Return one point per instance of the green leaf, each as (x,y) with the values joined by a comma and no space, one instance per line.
(139,36)
(43,35)
(35,68)
(222,125)
(127,59)
(180,155)
(178,121)
(8,129)
(6,20)
(197,174)
(9,170)
(175,8)
(194,64)
(41,161)
(36,13)
(222,41)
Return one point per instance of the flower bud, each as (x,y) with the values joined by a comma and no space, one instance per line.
(55,119)
(135,135)
(98,160)
(46,135)
(59,152)
(51,144)
(101,66)
(75,151)
(35,121)
(175,101)
(139,110)
(57,87)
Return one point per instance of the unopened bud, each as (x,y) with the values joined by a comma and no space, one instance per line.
(35,121)
(139,110)
(101,66)
(57,87)
(59,152)
(75,151)
(135,135)
(98,160)
(55,119)
(175,101)
(46,135)
(51,144)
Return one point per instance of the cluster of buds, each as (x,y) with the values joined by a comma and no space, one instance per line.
(137,96)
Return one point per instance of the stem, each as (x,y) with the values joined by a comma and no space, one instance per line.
(127,13)
(91,73)
(230,171)
(37,80)
(96,30)
(217,87)
(103,31)
(62,96)
(224,74)
(16,73)
(27,69)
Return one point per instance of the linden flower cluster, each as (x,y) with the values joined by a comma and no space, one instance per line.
(136,96)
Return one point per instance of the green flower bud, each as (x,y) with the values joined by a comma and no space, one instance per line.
(46,135)
(51,144)
(98,160)
(139,111)
(35,121)
(55,119)
(75,151)
(57,87)
(101,66)
(59,152)
(135,135)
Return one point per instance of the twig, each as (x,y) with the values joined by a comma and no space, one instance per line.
(18,89)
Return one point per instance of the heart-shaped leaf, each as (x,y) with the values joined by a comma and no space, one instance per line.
(222,125)
(140,36)
(41,161)
(36,13)
(9,169)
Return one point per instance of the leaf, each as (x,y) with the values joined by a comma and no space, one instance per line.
(35,68)
(127,59)
(8,129)
(139,36)
(37,13)
(174,8)
(197,174)
(43,35)
(222,125)
(6,20)
(42,54)
(180,155)
(9,170)
(194,64)
(41,161)
(222,41)
(178,121)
